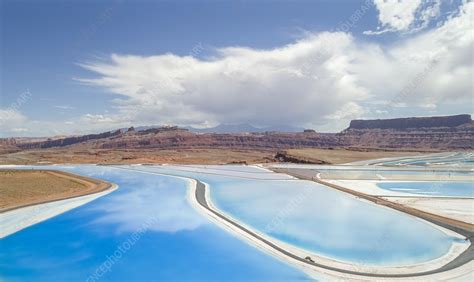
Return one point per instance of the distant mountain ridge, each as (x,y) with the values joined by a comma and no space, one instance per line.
(229,128)
(442,133)
(243,127)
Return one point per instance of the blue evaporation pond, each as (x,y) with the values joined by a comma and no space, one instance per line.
(324,221)
(145,230)
(370,174)
(241,171)
(432,188)
(447,159)
(230,168)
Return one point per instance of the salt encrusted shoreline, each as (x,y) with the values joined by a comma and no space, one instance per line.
(321,273)
(48,210)
(457,208)
(317,272)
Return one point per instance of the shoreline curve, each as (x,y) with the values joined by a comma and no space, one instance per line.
(201,198)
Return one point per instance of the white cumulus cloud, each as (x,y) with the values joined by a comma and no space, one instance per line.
(405,15)
(323,80)
(295,84)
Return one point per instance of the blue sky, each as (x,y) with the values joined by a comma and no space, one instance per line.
(72,67)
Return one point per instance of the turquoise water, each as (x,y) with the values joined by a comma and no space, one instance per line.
(375,174)
(249,172)
(322,220)
(461,158)
(432,188)
(145,230)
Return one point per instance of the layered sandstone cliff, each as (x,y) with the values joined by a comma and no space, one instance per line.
(412,123)
(450,132)
(439,133)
